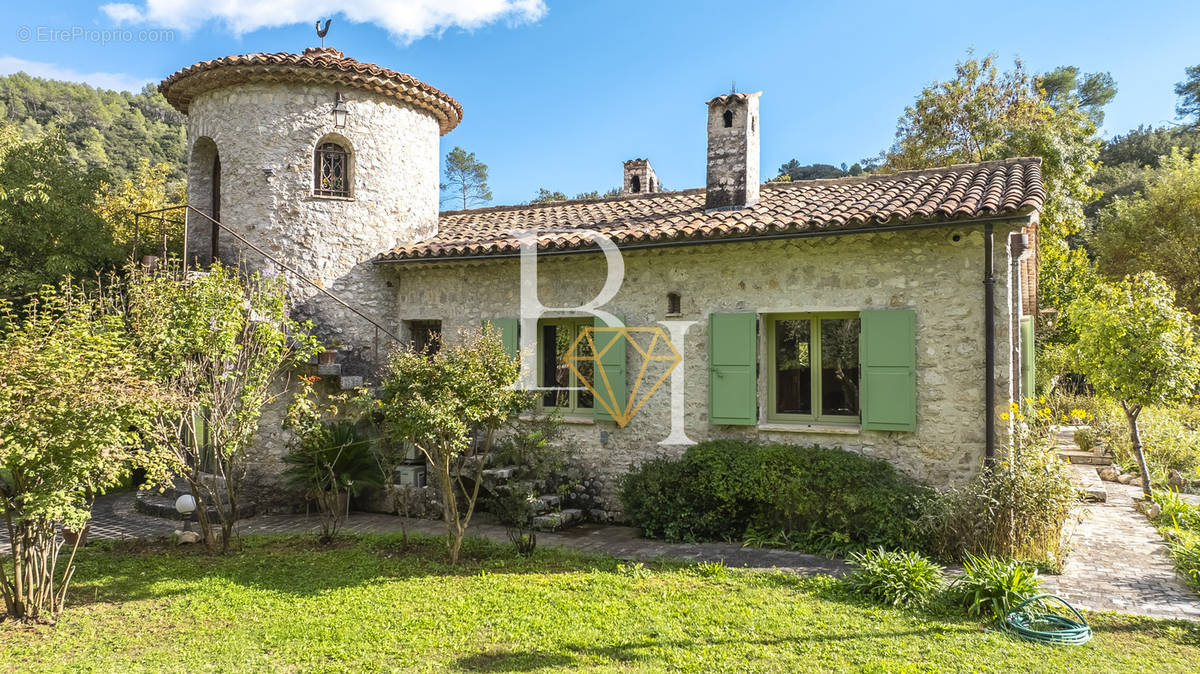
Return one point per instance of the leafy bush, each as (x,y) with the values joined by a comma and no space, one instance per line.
(824,500)
(1170,438)
(1179,523)
(899,578)
(1014,509)
(992,586)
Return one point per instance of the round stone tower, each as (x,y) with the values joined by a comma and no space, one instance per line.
(320,161)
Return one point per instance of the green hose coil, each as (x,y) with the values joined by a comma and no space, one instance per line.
(1047,628)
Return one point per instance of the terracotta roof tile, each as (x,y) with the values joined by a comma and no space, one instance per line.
(964,192)
(314,65)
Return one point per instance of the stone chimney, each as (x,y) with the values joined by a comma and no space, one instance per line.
(732,152)
(640,177)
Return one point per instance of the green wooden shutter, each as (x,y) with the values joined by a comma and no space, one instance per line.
(733,369)
(508,333)
(611,346)
(888,351)
(1027,360)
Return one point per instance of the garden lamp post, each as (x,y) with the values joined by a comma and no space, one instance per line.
(185,505)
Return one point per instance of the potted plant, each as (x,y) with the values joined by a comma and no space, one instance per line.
(330,354)
(329,461)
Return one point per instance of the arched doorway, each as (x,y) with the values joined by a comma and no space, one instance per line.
(216,208)
(204,194)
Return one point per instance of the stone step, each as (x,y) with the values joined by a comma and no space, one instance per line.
(1088,483)
(329,370)
(347,382)
(563,519)
(499,476)
(1080,457)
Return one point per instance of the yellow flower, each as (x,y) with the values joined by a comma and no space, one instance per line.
(1004,416)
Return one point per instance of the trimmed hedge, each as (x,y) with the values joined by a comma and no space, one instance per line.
(811,498)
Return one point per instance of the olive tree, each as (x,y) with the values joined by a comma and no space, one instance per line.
(1135,346)
(450,406)
(72,391)
(223,344)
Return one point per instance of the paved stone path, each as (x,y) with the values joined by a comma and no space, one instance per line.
(1118,561)
(113,517)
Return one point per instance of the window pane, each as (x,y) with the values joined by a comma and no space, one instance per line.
(555,373)
(426,336)
(587,368)
(839,366)
(793,367)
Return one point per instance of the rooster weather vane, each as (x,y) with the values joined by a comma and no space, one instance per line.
(322,32)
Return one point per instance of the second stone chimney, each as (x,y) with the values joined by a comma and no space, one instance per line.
(732,152)
(640,177)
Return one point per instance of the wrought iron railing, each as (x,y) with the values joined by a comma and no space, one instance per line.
(160,215)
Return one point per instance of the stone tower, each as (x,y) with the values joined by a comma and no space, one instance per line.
(732,151)
(322,162)
(640,177)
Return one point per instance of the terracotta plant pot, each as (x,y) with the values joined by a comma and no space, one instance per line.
(69,536)
(327,357)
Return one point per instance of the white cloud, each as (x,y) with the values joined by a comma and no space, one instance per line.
(117,81)
(407,20)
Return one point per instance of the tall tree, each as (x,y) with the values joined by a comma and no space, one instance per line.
(114,130)
(148,189)
(1188,91)
(466,179)
(1137,348)
(794,170)
(1158,231)
(984,114)
(48,226)
(1065,85)
(545,196)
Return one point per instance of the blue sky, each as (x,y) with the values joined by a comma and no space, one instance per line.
(558,94)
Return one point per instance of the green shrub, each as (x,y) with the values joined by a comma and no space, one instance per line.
(1014,509)
(1179,523)
(1086,438)
(823,500)
(1171,440)
(899,578)
(992,586)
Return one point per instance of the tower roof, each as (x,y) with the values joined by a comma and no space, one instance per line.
(315,65)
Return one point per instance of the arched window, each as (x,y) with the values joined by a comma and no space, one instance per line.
(728,118)
(635,184)
(331,171)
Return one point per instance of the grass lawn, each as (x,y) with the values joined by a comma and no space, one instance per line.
(367,604)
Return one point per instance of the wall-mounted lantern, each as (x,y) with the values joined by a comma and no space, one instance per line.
(340,112)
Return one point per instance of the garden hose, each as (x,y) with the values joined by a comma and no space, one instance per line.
(1047,628)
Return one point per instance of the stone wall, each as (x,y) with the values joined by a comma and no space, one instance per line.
(937,272)
(265,136)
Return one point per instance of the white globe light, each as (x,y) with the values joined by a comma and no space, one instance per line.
(185,504)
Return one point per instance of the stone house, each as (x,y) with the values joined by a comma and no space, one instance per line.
(885,314)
